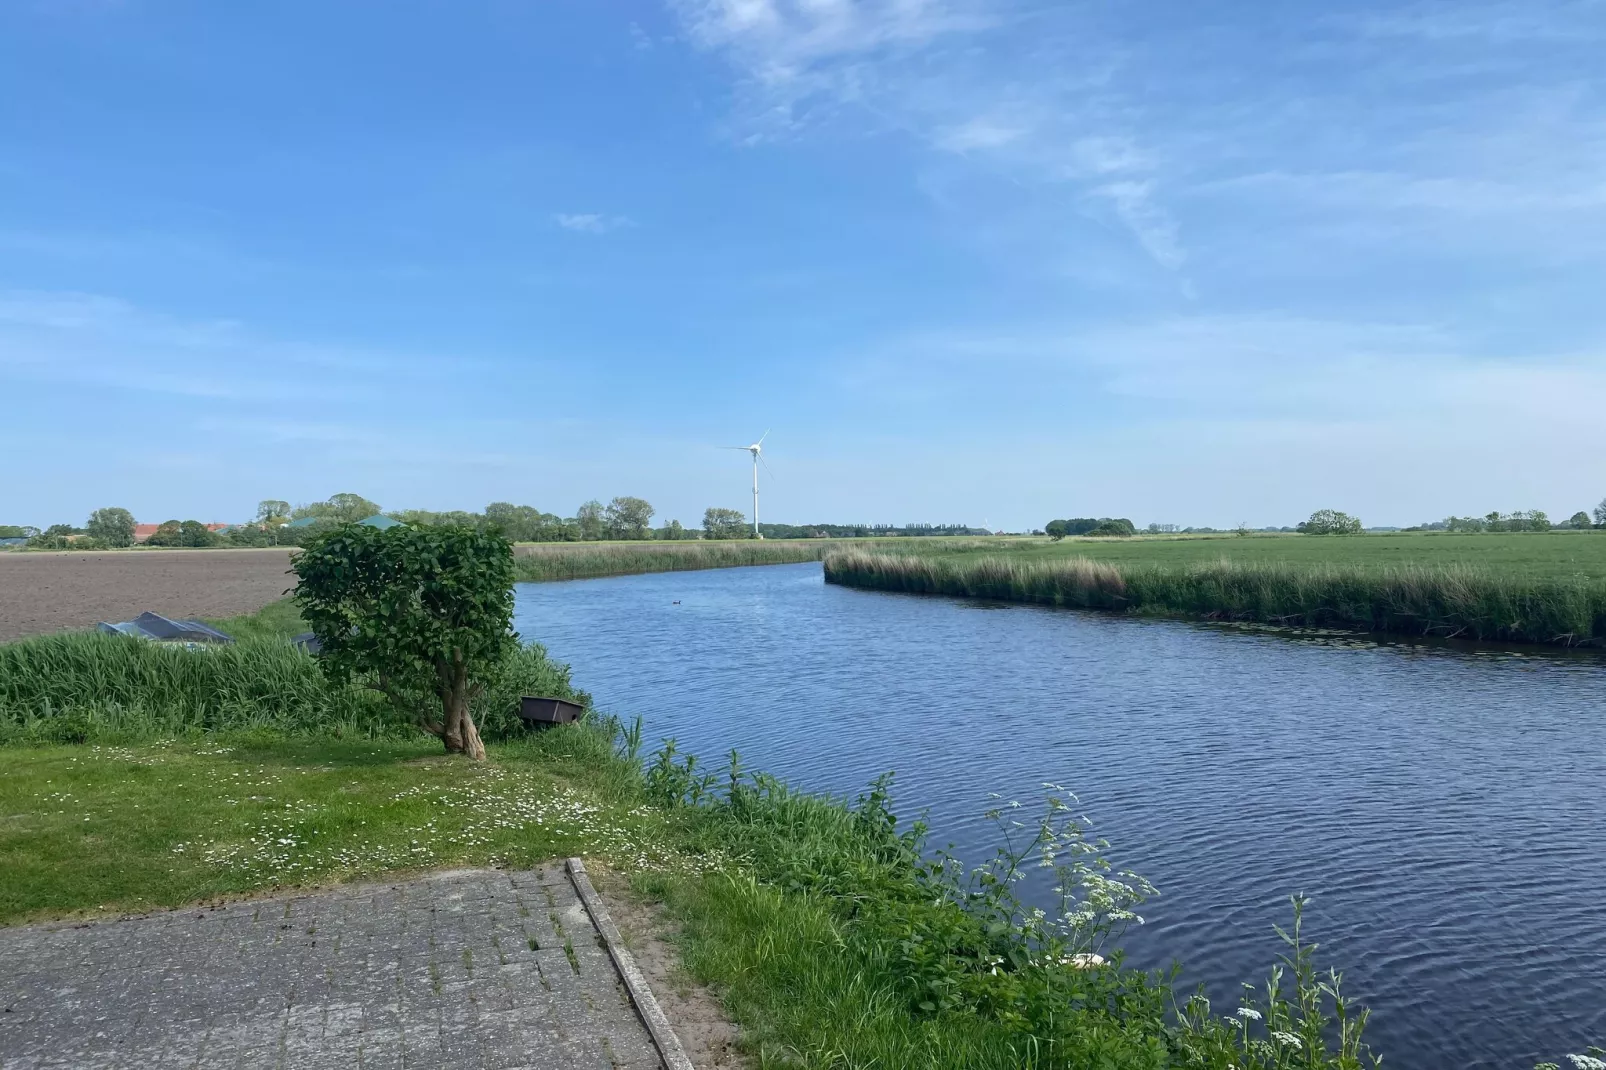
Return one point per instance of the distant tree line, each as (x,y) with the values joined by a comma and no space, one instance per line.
(1099,527)
(278,523)
(1520,520)
(865,531)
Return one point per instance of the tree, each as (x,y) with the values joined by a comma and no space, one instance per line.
(1579,520)
(628,518)
(1116,526)
(28,531)
(1330,522)
(1600,514)
(273,513)
(589,518)
(520,523)
(1056,529)
(672,531)
(195,533)
(724,524)
(112,526)
(418,613)
(167,533)
(343,508)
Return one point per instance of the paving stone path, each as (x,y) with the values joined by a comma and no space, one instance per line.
(475,969)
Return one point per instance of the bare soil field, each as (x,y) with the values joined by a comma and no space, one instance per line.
(46,592)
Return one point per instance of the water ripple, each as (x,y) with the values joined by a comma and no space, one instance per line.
(1447,810)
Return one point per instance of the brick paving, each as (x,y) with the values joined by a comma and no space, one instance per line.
(474,969)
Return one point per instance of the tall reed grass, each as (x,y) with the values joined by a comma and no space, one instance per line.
(1454,602)
(75,687)
(580,560)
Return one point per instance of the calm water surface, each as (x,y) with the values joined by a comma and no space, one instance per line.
(1446,810)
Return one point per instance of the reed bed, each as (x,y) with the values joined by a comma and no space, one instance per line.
(536,562)
(77,686)
(1452,602)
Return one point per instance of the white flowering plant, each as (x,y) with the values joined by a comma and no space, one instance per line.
(1303,1020)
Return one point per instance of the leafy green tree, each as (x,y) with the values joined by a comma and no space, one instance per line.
(520,523)
(672,531)
(1331,522)
(248,535)
(422,614)
(1578,521)
(1056,529)
(343,508)
(724,524)
(112,526)
(272,512)
(194,533)
(28,531)
(589,518)
(1116,526)
(629,518)
(167,533)
(1600,514)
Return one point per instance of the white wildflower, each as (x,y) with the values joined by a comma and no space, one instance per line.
(1286,1038)
(1249,1013)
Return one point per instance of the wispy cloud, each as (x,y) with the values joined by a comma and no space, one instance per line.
(591,222)
(991,82)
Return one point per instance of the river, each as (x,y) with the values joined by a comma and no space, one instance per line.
(1445,809)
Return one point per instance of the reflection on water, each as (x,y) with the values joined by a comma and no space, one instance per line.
(1445,808)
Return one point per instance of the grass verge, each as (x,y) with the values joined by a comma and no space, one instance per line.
(1450,602)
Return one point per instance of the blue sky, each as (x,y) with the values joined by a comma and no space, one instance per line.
(968,260)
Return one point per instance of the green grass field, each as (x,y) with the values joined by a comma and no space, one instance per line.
(1531,555)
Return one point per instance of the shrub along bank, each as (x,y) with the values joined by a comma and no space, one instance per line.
(1451,602)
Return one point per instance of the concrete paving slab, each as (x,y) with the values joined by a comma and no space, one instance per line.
(469,970)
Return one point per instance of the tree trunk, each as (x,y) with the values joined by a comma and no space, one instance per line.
(459,732)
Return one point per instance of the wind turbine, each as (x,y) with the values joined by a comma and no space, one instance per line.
(757,450)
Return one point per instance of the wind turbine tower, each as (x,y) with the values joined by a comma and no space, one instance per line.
(757,450)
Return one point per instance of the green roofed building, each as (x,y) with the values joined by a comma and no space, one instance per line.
(380,521)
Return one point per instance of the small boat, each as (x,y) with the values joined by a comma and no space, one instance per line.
(159,629)
(537,710)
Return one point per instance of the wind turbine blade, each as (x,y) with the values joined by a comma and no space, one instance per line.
(744,448)
(762,437)
(767,469)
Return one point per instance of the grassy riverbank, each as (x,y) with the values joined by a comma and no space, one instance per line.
(1460,601)
(831,942)
(535,562)
(822,923)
